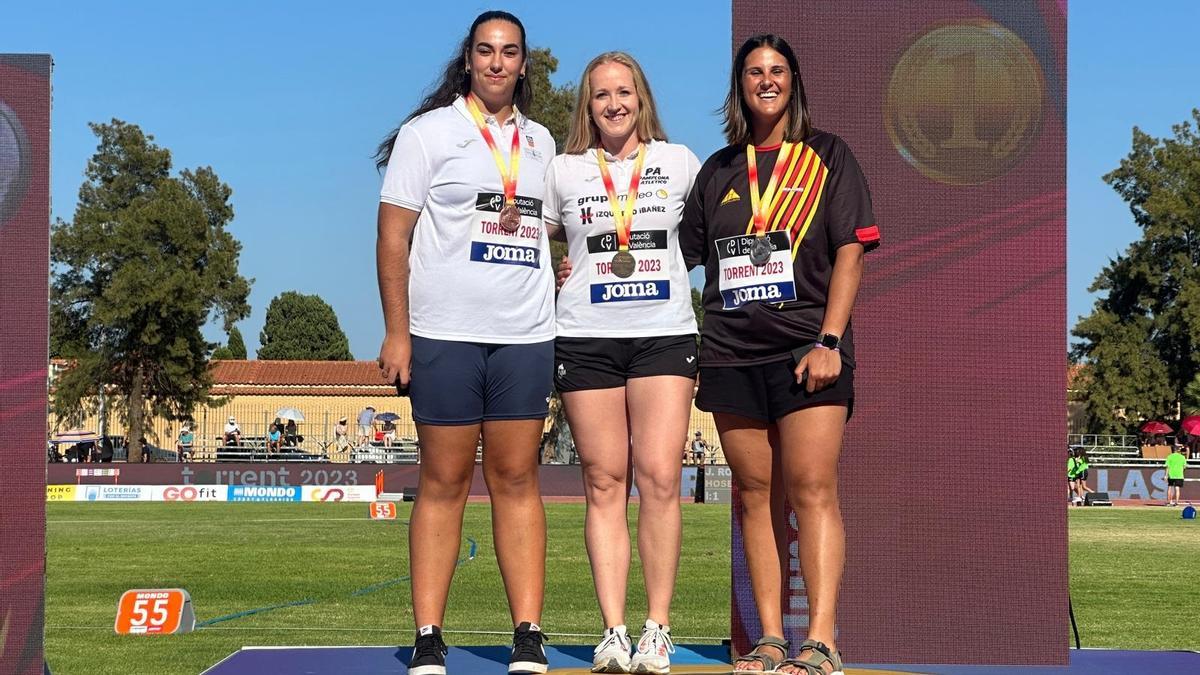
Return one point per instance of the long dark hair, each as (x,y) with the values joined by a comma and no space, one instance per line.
(737,125)
(456,81)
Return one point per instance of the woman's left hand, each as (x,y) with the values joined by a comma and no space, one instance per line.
(823,366)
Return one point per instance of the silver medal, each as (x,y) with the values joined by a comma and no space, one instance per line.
(760,251)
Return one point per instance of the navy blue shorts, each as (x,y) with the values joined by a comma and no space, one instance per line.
(456,383)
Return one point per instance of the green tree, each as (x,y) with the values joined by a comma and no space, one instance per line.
(235,348)
(1142,339)
(552,105)
(698,307)
(143,266)
(551,108)
(302,327)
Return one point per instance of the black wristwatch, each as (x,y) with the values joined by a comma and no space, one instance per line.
(829,341)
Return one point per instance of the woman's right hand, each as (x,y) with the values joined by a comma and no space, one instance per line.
(395,359)
(564,271)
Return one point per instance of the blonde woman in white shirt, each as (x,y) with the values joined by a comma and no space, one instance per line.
(625,355)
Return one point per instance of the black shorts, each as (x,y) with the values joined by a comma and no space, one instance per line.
(605,363)
(768,391)
(1082,475)
(1175,482)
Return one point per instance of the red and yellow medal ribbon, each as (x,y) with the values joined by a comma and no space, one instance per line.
(622,217)
(507,176)
(770,197)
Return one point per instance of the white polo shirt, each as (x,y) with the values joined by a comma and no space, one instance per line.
(657,299)
(471,281)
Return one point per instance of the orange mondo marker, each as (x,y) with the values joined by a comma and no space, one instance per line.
(383,510)
(155,611)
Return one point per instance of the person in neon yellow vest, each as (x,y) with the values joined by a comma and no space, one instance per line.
(1072,480)
(1081,473)
(1176,463)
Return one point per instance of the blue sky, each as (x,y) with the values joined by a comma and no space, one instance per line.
(287,101)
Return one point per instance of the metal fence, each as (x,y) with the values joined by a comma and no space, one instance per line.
(1125,450)
(316,440)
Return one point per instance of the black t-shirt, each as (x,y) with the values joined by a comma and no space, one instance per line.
(759,314)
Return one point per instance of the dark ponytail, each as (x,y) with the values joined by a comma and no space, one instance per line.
(456,81)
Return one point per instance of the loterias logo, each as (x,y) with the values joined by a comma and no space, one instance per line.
(108,493)
(262,493)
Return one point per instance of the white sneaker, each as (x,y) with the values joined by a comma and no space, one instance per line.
(653,649)
(612,654)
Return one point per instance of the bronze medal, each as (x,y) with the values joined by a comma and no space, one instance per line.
(760,251)
(510,218)
(623,264)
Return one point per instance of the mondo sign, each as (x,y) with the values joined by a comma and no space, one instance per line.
(155,612)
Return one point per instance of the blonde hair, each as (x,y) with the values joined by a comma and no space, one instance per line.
(584,135)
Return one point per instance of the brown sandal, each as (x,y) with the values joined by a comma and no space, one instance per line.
(819,655)
(769,663)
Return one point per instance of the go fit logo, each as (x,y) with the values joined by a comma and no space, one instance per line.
(190,493)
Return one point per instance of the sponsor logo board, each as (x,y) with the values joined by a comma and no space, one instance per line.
(190,493)
(60,493)
(339,493)
(113,493)
(263,493)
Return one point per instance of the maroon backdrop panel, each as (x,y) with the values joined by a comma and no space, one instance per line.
(24,296)
(956,112)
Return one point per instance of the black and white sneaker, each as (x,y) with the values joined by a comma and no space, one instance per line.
(429,653)
(528,654)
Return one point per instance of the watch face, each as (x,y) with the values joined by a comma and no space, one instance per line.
(830,340)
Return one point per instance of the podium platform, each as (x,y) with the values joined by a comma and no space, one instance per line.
(687,660)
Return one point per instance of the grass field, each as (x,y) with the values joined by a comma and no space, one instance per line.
(1134,579)
(234,557)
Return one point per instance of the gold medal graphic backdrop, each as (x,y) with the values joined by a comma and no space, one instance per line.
(950,476)
(24,302)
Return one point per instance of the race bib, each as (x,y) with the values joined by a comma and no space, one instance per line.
(741,281)
(491,243)
(651,278)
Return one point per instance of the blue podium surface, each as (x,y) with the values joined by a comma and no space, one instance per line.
(688,659)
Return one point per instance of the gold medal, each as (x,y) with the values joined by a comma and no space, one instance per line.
(623,264)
